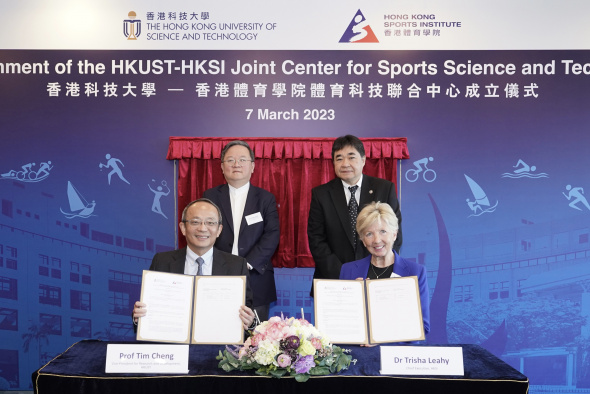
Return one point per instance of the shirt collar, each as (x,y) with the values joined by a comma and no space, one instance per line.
(208,256)
(240,190)
(359,183)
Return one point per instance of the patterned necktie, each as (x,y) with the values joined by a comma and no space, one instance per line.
(353,209)
(200,262)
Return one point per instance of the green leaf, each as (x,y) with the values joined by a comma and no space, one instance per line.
(344,362)
(278,373)
(229,357)
(318,371)
(261,372)
(302,377)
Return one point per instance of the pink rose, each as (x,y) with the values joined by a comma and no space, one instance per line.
(284,360)
(316,343)
(274,319)
(274,332)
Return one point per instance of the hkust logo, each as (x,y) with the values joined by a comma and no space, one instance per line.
(358,30)
(132,27)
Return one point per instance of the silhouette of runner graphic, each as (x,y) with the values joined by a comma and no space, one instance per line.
(578,194)
(112,163)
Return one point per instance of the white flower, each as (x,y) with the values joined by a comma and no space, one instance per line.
(267,350)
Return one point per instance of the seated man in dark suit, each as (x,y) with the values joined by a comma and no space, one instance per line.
(331,231)
(201,225)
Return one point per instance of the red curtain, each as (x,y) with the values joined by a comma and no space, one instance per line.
(287,167)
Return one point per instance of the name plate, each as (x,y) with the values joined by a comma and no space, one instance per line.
(144,358)
(421,360)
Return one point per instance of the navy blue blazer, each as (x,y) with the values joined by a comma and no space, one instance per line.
(257,242)
(402,267)
(224,264)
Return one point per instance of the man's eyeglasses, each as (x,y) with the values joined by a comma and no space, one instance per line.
(231,161)
(199,223)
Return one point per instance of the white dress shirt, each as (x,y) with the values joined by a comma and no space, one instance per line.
(357,194)
(238,203)
(190,264)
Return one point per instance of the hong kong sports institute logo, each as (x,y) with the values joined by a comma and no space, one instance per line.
(359,30)
(132,27)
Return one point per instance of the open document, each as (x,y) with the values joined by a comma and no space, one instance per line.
(369,311)
(191,309)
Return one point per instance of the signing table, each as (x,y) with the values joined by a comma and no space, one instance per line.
(81,369)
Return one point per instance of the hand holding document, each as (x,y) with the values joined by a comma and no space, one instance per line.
(370,311)
(189,309)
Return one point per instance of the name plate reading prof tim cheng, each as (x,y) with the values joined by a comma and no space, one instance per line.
(126,358)
(421,360)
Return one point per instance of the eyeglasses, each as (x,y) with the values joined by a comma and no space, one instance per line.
(199,223)
(231,161)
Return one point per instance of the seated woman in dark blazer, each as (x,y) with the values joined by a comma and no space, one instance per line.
(377,227)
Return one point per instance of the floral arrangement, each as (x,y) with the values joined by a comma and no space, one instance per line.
(280,346)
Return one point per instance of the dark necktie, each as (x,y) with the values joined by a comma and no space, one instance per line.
(353,209)
(200,262)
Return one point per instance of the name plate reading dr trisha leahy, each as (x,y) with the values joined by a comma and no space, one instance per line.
(421,360)
(131,358)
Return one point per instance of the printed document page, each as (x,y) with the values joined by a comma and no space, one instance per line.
(217,307)
(395,314)
(168,298)
(340,311)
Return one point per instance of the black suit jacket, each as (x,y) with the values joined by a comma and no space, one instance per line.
(257,242)
(328,228)
(224,264)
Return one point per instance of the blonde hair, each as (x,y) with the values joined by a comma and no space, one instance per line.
(373,212)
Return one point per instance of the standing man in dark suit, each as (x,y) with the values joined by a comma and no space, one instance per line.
(251,222)
(201,226)
(331,231)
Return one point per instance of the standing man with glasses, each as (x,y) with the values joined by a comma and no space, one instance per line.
(331,226)
(251,222)
(201,226)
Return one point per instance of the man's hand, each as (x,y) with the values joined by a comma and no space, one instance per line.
(247,316)
(139,310)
